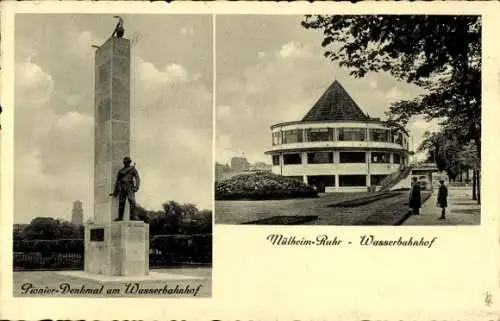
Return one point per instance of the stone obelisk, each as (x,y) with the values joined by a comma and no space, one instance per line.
(113,248)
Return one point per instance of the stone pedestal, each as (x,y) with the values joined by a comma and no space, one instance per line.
(117,248)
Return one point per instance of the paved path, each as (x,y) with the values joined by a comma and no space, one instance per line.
(462,210)
(388,211)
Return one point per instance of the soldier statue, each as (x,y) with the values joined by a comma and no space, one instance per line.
(119,30)
(127,183)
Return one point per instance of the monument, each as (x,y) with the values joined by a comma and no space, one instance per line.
(113,247)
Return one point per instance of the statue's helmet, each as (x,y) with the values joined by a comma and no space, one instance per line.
(127,160)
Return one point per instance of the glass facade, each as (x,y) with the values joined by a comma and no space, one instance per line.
(276,160)
(380,135)
(276,138)
(352,157)
(396,158)
(319,134)
(352,180)
(352,134)
(343,134)
(292,136)
(321,181)
(381,158)
(320,157)
(292,159)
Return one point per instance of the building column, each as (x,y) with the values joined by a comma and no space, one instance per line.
(303,157)
(368,165)
(304,179)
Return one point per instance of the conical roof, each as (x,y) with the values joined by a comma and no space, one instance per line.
(335,104)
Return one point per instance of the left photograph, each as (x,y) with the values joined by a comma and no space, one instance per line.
(113,155)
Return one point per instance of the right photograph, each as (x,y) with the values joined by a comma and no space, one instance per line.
(348,120)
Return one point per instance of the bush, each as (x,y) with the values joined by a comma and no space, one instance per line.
(47,247)
(262,186)
(56,261)
(181,249)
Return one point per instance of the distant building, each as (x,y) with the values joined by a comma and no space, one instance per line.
(239,164)
(260,167)
(337,147)
(19,227)
(77,213)
(428,175)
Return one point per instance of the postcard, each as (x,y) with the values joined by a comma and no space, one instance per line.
(250,161)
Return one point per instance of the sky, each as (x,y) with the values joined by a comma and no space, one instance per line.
(54,110)
(277,74)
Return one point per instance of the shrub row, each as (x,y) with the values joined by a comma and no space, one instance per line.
(34,261)
(262,186)
(47,247)
(165,250)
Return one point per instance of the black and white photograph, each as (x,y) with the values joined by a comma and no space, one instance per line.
(113,173)
(348,120)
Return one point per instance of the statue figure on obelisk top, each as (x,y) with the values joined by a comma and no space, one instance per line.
(119,29)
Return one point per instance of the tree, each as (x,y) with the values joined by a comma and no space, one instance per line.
(49,228)
(441,54)
(176,218)
(443,149)
(450,154)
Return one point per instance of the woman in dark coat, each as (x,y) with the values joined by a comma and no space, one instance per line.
(442,199)
(415,197)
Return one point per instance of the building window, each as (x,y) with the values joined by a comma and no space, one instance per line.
(381,158)
(377,179)
(399,139)
(319,182)
(292,136)
(319,134)
(380,135)
(276,160)
(352,134)
(352,180)
(297,178)
(292,159)
(396,158)
(276,138)
(352,157)
(320,158)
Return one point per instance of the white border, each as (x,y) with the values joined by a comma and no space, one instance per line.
(252,280)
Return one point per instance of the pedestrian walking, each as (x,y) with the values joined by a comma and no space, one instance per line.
(415,197)
(442,199)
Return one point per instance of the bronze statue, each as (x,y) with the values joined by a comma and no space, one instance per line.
(119,30)
(127,183)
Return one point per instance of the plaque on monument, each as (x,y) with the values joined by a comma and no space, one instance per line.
(97,235)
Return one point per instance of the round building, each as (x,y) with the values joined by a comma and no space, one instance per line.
(336,147)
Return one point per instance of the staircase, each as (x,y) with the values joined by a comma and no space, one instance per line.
(394,178)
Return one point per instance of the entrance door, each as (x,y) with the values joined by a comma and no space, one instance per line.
(321,181)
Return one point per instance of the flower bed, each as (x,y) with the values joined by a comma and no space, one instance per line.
(262,186)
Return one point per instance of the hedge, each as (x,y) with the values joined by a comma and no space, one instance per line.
(262,186)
